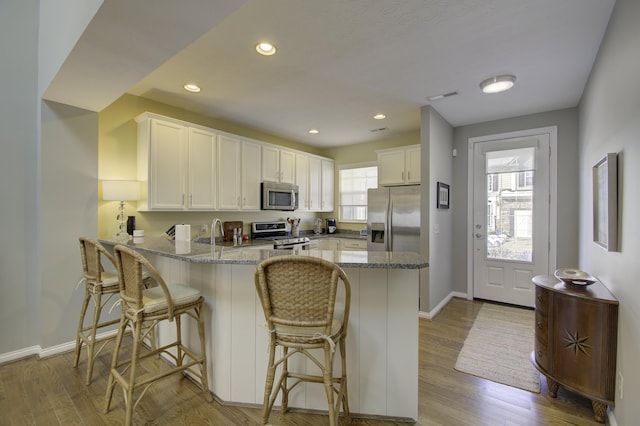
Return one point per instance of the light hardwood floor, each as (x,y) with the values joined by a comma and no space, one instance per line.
(51,392)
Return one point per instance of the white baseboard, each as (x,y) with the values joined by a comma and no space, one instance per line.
(19,354)
(46,352)
(432,314)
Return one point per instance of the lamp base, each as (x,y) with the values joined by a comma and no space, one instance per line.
(123,237)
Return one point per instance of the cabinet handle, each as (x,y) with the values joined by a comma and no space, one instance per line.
(409,175)
(539,324)
(539,299)
(539,354)
(402,176)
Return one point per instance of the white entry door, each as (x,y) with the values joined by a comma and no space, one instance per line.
(510,220)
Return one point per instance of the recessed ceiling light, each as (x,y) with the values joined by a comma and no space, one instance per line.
(379,116)
(265,48)
(498,84)
(190,87)
(314,131)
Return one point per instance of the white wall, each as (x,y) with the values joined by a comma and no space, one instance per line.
(56,40)
(609,116)
(68,209)
(36,223)
(436,142)
(18,171)
(441,259)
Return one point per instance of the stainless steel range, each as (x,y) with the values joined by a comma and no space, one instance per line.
(279,234)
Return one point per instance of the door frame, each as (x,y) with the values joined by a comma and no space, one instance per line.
(552,131)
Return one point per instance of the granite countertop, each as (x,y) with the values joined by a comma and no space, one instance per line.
(253,254)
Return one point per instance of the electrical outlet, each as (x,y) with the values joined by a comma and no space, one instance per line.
(204,228)
(620,385)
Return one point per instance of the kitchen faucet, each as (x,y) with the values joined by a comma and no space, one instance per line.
(215,222)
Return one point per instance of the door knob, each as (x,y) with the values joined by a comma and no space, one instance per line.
(478,235)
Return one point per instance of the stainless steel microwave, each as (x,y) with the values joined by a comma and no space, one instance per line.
(279,196)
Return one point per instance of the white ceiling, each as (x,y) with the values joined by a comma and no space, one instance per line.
(339,62)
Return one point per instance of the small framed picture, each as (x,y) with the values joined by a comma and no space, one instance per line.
(605,202)
(443,196)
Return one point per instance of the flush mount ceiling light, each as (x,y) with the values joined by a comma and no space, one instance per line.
(193,88)
(314,131)
(498,84)
(265,48)
(379,116)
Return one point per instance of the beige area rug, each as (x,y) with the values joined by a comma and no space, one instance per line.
(498,347)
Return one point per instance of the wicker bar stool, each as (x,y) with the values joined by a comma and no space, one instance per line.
(143,309)
(298,296)
(99,287)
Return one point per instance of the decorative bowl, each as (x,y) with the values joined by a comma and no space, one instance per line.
(574,276)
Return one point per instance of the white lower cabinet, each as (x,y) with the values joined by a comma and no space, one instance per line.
(352,244)
(344,244)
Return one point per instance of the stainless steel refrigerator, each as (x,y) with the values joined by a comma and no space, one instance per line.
(393,219)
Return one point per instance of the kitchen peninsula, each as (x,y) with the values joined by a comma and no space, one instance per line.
(382,344)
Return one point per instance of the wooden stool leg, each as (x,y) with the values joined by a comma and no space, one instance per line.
(97,311)
(285,375)
(203,351)
(343,382)
(268,385)
(114,364)
(179,352)
(131,386)
(83,312)
(328,384)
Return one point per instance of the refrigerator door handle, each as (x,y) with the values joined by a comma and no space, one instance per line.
(389,243)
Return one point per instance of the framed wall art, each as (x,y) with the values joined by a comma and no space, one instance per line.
(442,201)
(605,202)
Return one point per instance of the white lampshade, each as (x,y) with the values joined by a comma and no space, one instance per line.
(120,190)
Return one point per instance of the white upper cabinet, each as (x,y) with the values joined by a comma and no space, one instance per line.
(184,166)
(314,177)
(238,174)
(250,181)
(278,165)
(162,164)
(315,184)
(326,202)
(399,166)
(229,175)
(202,171)
(302,180)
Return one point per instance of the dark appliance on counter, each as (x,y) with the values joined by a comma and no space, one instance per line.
(393,219)
(331,225)
(279,196)
(279,234)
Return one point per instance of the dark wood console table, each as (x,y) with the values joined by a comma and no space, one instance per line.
(576,340)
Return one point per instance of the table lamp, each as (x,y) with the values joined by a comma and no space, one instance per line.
(121,190)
